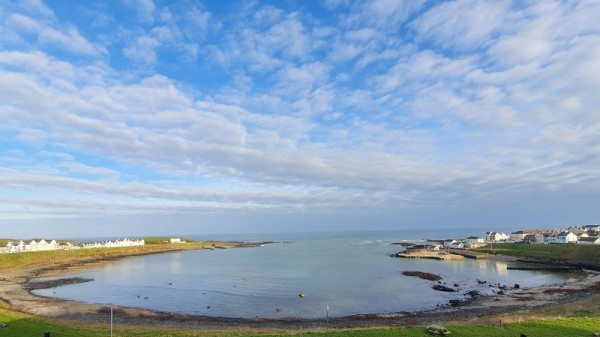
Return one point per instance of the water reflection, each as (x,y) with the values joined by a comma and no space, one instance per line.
(349,277)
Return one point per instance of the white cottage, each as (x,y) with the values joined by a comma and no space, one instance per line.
(589,241)
(562,237)
(496,237)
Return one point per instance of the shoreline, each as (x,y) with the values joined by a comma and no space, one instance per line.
(15,291)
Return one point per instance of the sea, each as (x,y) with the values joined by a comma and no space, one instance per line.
(301,275)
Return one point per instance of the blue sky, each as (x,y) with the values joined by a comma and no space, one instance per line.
(142,117)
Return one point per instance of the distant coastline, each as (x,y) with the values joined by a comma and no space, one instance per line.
(15,290)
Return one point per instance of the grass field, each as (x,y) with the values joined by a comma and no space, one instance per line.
(19,325)
(558,252)
(56,257)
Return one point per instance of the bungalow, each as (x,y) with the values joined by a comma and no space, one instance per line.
(474,239)
(518,236)
(496,237)
(533,238)
(595,228)
(67,246)
(562,237)
(453,244)
(589,241)
(426,246)
(175,240)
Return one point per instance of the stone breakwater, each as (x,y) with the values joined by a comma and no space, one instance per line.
(428,255)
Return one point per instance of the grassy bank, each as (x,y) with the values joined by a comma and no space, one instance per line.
(558,252)
(59,257)
(24,325)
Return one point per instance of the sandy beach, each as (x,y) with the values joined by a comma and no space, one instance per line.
(15,290)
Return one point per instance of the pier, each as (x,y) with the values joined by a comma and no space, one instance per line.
(469,254)
(433,256)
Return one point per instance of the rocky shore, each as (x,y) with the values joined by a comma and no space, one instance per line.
(15,290)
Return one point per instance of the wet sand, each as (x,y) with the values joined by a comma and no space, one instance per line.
(15,290)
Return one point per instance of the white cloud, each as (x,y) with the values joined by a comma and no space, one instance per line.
(142,50)
(68,37)
(282,110)
(144,9)
(32,136)
(465,24)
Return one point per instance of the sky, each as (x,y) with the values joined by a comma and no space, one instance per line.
(152,117)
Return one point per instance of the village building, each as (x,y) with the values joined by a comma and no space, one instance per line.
(454,244)
(43,245)
(496,237)
(562,237)
(595,228)
(518,236)
(474,239)
(534,238)
(589,241)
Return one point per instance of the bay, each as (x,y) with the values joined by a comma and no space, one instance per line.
(337,274)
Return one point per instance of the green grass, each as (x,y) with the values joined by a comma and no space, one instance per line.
(564,252)
(164,239)
(25,325)
(45,258)
(4,242)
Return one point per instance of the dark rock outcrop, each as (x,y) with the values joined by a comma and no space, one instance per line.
(440,287)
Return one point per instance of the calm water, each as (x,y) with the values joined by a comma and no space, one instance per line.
(351,273)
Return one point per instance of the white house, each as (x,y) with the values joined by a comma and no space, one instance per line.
(518,236)
(67,246)
(454,244)
(116,243)
(534,238)
(595,228)
(562,237)
(474,239)
(496,237)
(589,241)
(16,247)
(175,240)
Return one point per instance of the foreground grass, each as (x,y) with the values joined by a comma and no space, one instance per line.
(24,325)
(558,252)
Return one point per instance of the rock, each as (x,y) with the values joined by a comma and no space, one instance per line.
(502,287)
(423,275)
(517,286)
(438,330)
(481,282)
(455,303)
(440,287)
(456,285)
(500,292)
(473,293)
(3,325)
